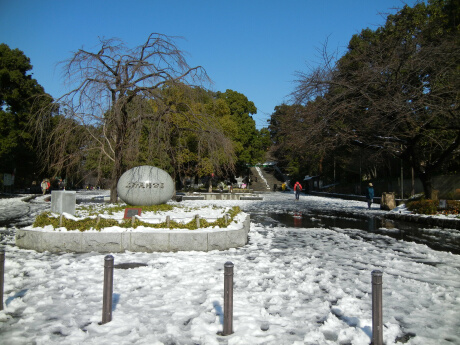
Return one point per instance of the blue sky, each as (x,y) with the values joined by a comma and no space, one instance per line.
(250,46)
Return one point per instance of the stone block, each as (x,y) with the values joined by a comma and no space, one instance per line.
(63,201)
(109,242)
(388,201)
(222,240)
(29,239)
(125,244)
(188,240)
(56,242)
(149,242)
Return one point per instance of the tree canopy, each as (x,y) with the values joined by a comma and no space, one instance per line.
(395,92)
(250,144)
(134,101)
(20,97)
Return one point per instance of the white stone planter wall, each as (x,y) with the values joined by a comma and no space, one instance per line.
(161,240)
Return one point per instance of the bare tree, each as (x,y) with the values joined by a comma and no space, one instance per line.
(117,90)
(394,92)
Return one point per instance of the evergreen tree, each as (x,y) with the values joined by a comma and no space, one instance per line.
(20,97)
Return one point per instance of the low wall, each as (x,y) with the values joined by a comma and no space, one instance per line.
(161,240)
(375,200)
(447,223)
(219,196)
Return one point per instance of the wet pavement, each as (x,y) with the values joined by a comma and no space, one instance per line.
(442,239)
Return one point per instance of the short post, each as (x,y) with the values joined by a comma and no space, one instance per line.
(228,298)
(226,219)
(197,217)
(168,221)
(60,220)
(98,219)
(377,315)
(108,289)
(2,274)
(133,220)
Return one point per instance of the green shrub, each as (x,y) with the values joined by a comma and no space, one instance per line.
(423,206)
(151,208)
(453,207)
(46,218)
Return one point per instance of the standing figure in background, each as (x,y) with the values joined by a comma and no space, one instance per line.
(370,195)
(44,186)
(297,190)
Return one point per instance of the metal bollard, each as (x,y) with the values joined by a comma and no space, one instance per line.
(228,298)
(377,315)
(2,274)
(108,289)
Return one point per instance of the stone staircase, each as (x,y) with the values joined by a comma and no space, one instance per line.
(259,184)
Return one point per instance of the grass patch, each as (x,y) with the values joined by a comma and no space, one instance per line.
(94,210)
(88,223)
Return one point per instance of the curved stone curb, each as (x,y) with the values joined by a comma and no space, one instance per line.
(161,240)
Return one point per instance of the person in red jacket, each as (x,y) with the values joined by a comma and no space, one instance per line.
(297,190)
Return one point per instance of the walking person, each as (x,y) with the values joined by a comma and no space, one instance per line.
(370,195)
(297,190)
(44,186)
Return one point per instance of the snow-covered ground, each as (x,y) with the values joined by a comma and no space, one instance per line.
(291,286)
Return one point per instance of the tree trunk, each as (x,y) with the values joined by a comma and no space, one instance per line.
(113,188)
(426,180)
(118,166)
(116,174)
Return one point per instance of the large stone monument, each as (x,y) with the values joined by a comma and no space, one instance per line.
(145,185)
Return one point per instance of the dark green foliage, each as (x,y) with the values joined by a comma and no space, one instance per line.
(250,144)
(20,97)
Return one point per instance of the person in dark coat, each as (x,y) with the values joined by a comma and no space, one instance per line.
(297,190)
(370,195)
